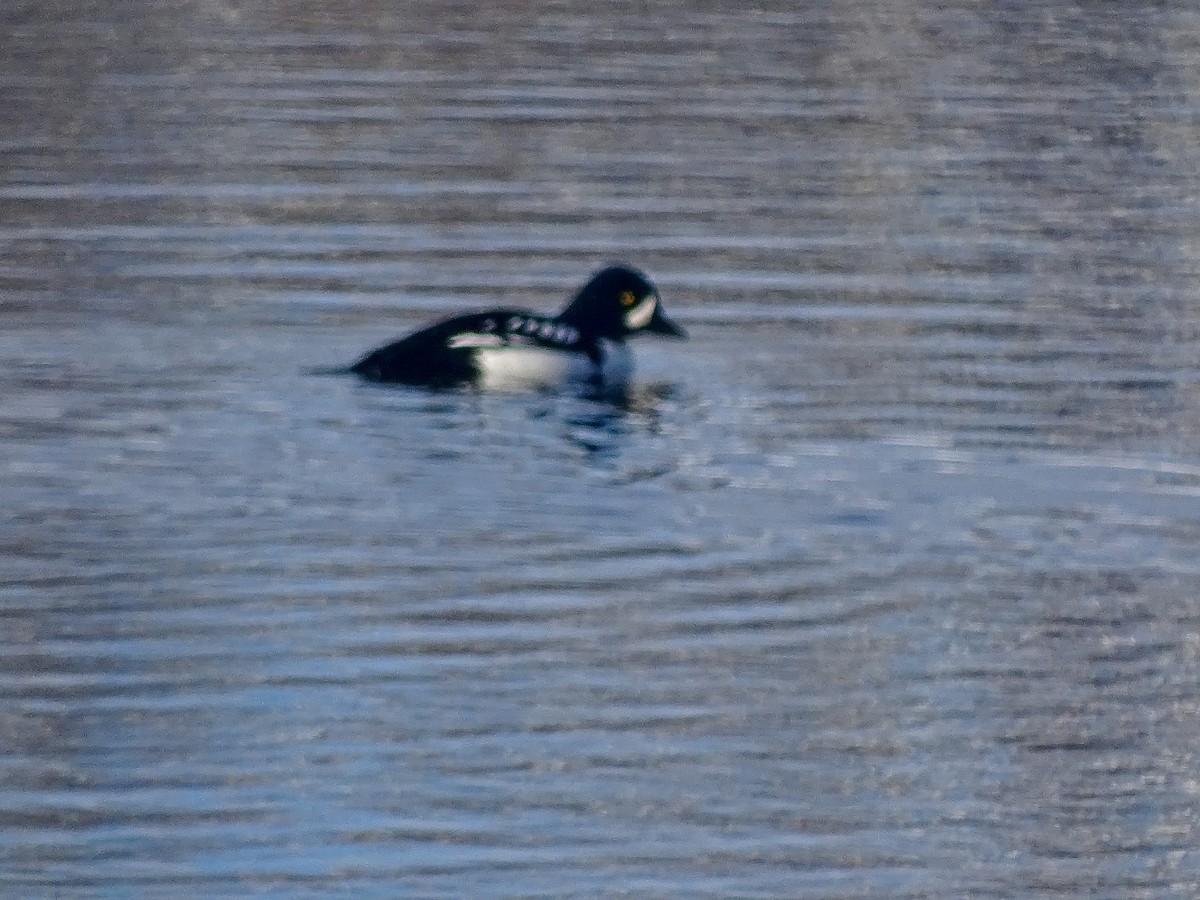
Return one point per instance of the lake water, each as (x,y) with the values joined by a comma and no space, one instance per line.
(885,584)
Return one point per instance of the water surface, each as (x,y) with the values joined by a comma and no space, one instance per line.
(883,585)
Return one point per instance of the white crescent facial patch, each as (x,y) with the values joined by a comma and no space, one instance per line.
(639,316)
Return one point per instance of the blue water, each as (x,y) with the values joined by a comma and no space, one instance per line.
(883,585)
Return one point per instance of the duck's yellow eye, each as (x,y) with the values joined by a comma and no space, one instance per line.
(627,298)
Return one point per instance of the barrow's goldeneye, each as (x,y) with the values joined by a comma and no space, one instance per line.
(508,347)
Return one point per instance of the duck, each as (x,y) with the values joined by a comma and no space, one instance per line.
(513,348)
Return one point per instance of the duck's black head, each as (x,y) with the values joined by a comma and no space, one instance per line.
(617,302)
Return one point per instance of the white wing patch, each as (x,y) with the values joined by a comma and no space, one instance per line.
(639,316)
(473,339)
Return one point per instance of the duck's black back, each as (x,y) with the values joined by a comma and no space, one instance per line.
(427,356)
(445,353)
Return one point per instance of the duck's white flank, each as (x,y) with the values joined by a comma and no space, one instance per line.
(515,368)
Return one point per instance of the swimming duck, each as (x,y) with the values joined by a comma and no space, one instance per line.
(508,347)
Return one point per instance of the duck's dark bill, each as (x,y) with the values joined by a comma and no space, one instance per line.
(660,324)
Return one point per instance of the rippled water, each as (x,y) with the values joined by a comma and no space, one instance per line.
(884,585)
